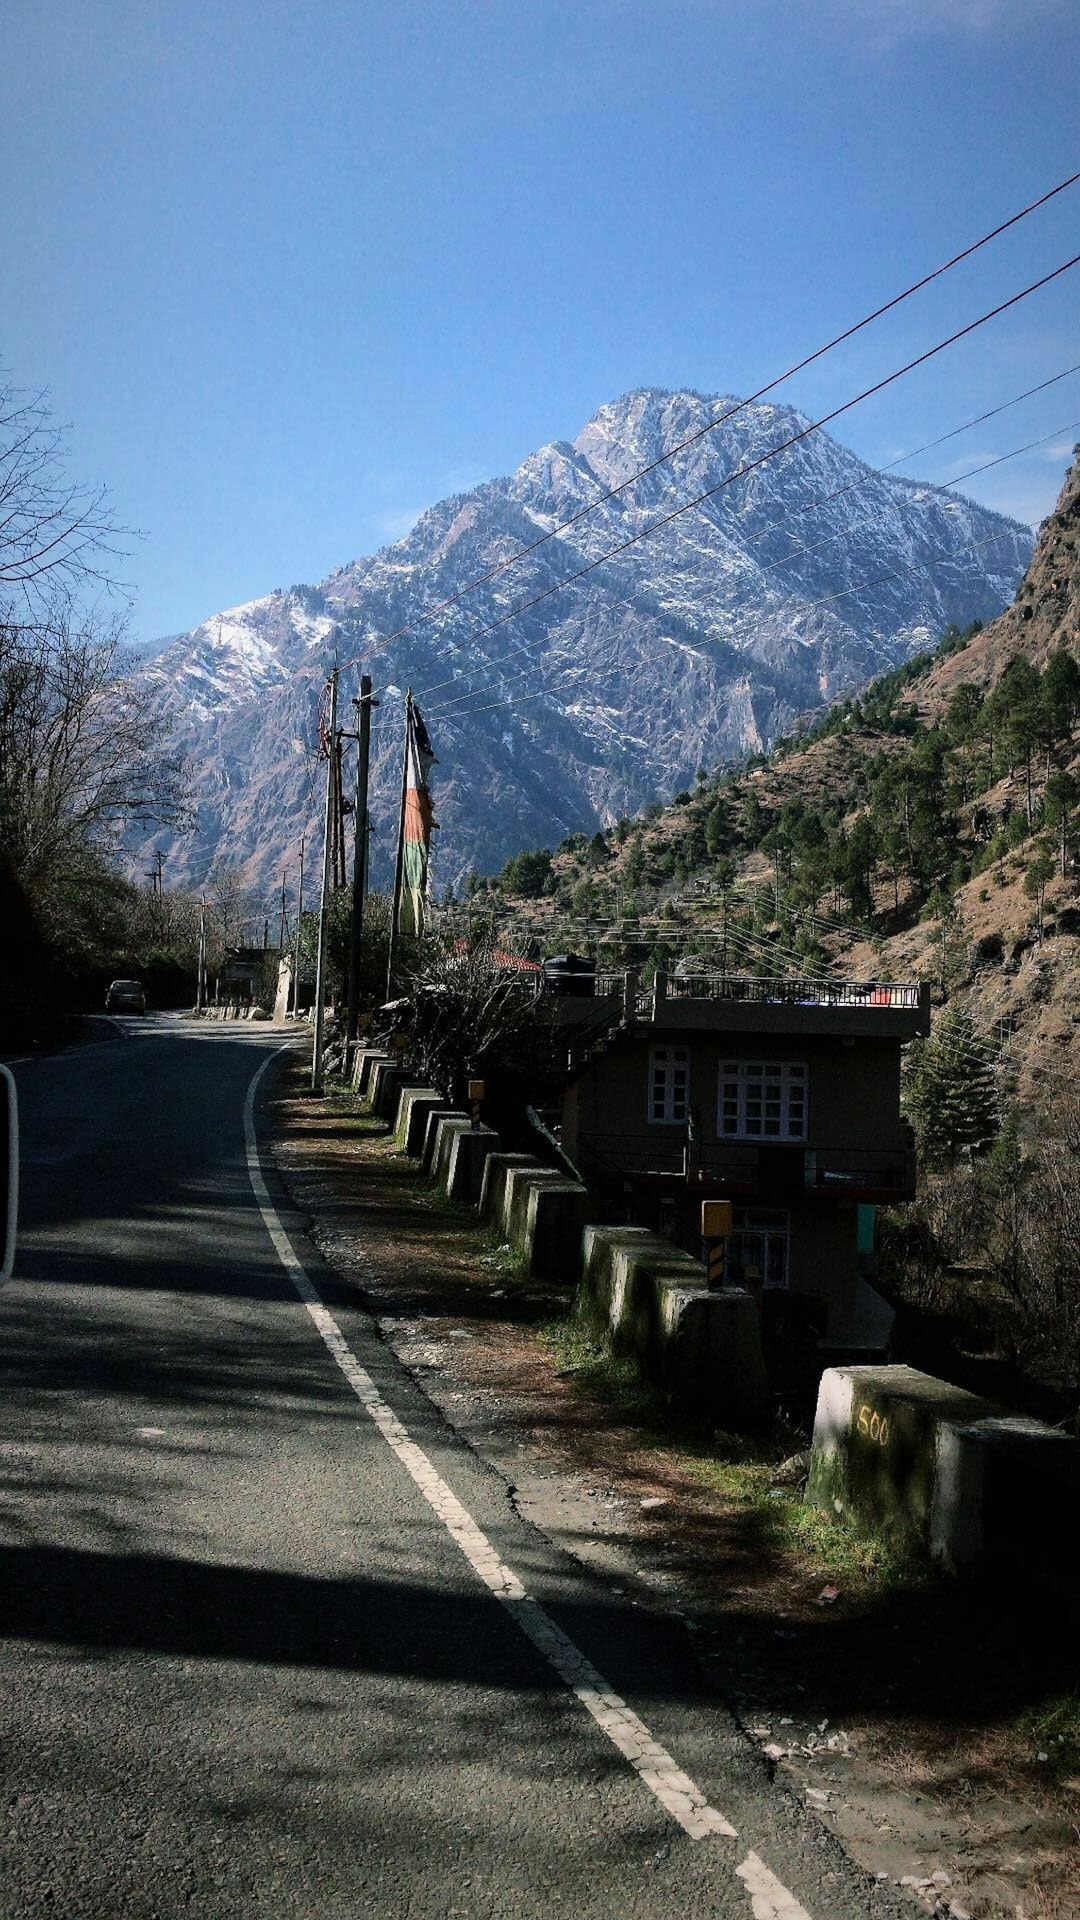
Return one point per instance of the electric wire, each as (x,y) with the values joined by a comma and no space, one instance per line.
(945,486)
(772,453)
(852,486)
(457,707)
(799,366)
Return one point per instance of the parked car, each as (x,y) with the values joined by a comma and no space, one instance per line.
(126,996)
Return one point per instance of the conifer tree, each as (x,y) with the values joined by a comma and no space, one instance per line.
(950,1094)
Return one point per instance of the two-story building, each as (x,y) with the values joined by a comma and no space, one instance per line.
(780,1096)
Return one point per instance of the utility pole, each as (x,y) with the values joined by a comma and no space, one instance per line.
(282,929)
(320,961)
(360,853)
(299,915)
(200,982)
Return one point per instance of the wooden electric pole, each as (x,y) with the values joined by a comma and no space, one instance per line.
(360,853)
(299,916)
(320,960)
(200,983)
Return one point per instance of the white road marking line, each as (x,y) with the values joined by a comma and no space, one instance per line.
(770,1898)
(652,1763)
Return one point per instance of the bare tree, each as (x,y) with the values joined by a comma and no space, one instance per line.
(57,539)
(467,1014)
(82,755)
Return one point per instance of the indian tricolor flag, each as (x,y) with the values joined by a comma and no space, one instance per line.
(417,823)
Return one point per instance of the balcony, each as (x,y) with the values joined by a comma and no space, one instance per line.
(778,1174)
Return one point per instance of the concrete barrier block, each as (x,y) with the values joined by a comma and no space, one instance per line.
(431,1132)
(366,1060)
(517,1192)
(556,1213)
(387,1082)
(468,1155)
(359,1056)
(950,1473)
(497,1168)
(407,1096)
(650,1301)
(414,1111)
(447,1128)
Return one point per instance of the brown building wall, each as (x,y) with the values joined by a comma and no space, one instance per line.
(854,1094)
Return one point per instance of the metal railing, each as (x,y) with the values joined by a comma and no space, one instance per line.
(792,993)
(750,1168)
(872,994)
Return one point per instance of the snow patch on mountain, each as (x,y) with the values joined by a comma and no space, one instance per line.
(576,700)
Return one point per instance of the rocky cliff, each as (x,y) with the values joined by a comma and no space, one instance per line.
(693,646)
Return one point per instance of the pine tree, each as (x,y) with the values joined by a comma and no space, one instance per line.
(950,1095)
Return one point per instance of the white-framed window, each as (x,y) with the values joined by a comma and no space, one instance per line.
(669,1084)
(763,1100)
(757,1247)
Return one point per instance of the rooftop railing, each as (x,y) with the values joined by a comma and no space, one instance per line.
(752,987)
(792,993)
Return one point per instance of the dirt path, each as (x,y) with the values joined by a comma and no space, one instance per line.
(923,1724)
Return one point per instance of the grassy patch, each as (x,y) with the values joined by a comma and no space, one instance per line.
(600,1372)
(740,1468)
(1053,1730)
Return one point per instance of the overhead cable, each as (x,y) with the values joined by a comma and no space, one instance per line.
(711,426)
(772,453)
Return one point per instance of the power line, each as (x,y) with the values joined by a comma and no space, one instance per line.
(711,426)
(851,486)
(751,466)
(944,485)
(862,586)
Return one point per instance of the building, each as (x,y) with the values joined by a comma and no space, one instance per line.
(782,1097)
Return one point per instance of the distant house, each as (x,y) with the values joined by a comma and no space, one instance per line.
(782,1097)
(242,971)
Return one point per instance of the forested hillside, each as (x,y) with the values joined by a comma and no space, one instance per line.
(928,828)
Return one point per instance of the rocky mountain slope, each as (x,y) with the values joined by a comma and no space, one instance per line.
(695,646)
(928,829)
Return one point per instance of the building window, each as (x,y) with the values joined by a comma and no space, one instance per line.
(762,1100)
(669,1083)
(757,1248)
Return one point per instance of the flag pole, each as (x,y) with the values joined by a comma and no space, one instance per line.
(400,868)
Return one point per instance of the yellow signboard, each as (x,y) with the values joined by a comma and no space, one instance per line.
(715,1219)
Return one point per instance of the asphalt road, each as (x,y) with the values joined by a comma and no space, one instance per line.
(265,1649)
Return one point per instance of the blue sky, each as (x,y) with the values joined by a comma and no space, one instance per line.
(295,272)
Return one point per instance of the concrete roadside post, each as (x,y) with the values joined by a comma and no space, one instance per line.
(476,1095)
(715,1228)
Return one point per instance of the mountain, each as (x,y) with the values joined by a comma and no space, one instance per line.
(697,645)
(929,828)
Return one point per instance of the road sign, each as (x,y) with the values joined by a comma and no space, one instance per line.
(715,1219)
(715,1227)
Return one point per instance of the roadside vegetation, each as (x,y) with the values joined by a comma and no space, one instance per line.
(83,758)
